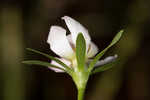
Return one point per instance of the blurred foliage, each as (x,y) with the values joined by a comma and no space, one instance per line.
(26,23)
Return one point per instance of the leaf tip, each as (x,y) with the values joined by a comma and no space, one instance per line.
(28,49)
(121,32)
(24,62)
(80,35)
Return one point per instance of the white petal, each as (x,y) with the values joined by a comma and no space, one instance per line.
(75,28)
(93,49)
(106,60)
(67,62)
(59,43)
(69,37)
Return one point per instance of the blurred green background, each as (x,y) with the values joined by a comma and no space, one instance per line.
(26,23)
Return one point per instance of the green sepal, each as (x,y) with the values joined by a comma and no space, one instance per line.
(117,37)
(98,56)
(104,67)
(68,69)
(80,51)
(42,63)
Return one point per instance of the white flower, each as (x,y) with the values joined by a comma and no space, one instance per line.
(64,45)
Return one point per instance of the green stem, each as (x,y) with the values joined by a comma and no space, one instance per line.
(80,78)
(81,93)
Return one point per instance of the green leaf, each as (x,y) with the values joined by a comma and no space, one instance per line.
(98,56)
(52,58)
(42,63)
(104,67)
(117,37)
(80,51)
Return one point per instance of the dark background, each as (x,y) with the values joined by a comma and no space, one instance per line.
(26,23)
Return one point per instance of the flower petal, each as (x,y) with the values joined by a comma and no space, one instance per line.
(67,62)
(69,37)
(59,43)
(93,49)
(106,60)
(76,28)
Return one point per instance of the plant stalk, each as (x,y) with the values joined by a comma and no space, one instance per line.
(81,92)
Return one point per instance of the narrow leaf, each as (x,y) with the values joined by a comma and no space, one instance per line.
(104,67)
(117,37)
(98,56)
(42,63)
(52,58)
(80,50)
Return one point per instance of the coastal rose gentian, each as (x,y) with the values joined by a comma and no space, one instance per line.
(64,45)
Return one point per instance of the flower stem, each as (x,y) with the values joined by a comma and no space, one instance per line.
(80,78)
(81,93)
